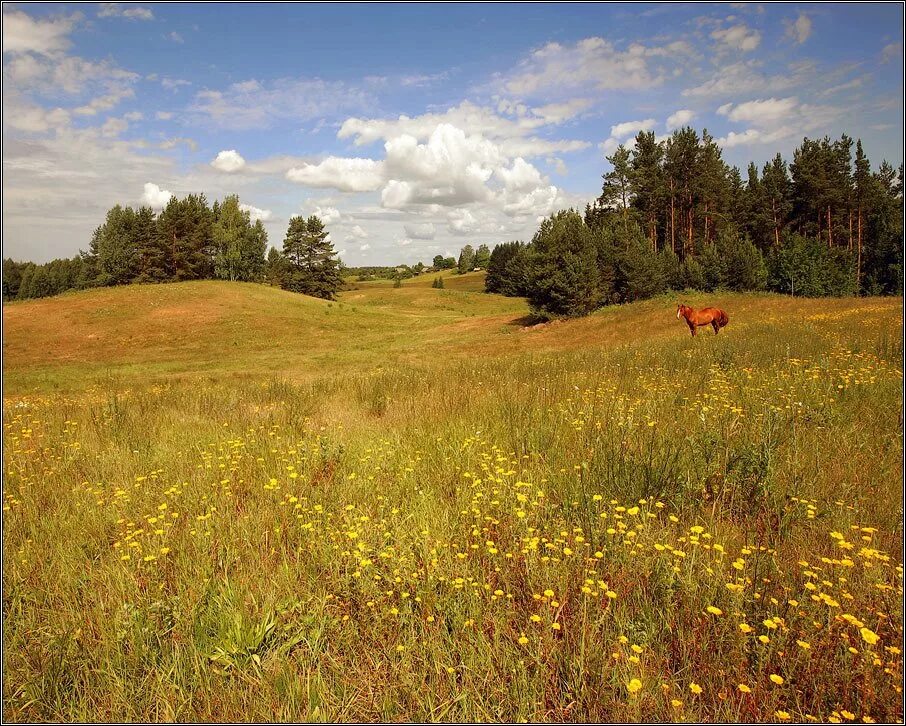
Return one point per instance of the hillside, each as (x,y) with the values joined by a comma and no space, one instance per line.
(408,505)
(210,328)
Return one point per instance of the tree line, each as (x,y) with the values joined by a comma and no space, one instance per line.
(188,240)
(673,215)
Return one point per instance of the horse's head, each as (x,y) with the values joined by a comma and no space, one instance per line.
(680,309)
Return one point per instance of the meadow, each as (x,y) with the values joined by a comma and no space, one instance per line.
(225,501)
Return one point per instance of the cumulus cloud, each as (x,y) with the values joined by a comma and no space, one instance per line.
(346,175)
(738,37)
(255,213)
(608,146)
(229,161)
(164,115)
(358,232)
(461,222)
(800,29)
(520,177)
(513,136)
(420,231)
(632,127)
(679,119)
(155,197)
(328,215)
(762,111)
(364,247)
(24,34)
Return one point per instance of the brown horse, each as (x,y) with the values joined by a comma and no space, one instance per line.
(714,317)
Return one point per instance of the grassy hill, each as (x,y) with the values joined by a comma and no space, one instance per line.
(224,501)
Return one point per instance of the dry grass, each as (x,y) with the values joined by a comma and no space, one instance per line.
(228,502)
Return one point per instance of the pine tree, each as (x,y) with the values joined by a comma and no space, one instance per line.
(312,269)
(648,182)
(617,189)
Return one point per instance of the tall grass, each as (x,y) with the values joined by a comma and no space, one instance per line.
(540,536)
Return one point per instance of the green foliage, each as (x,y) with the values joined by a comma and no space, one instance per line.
(565,279)
(806,267)
(497,279)
(639,271)
(312,268)
(466,260)
(239,246)
(742,265)
(438,283)
(671,269)
(482,257)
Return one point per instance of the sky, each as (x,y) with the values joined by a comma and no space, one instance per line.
(411,130)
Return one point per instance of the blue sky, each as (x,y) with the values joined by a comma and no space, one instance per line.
(412,130)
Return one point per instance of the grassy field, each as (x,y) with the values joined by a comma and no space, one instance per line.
(224,501)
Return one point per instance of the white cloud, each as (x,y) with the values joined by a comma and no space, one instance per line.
(346,175)
(104,103)
(521,177)
(406,242)
(426,230)
(679,119)
(229,161)
(164,115)
(24,34)
(34,119)
(176,37)
(556,113)
(114,127)
(461,222)
(328,215)
(258,105)
(763,111)
(889,52)
(357,231)
(115,10)
(744,78)
(738,37)
(610,145)
(364,247)
(255,213)
(155,197)
(800,29)
(172,84)
(172,143)
(632,127)
(511,135)
(592,62)
(559,165)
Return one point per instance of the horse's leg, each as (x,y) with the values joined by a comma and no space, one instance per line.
(692,328)
(715,326)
